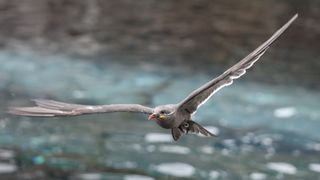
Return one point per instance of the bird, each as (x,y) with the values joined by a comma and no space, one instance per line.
(175,117)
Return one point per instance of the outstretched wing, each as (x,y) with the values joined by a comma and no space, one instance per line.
(200,95)
(50,108)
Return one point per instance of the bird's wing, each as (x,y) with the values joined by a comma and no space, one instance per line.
(200,95)
(50,108)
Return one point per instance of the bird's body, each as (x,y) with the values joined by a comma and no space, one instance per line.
(172,120)
(177,117)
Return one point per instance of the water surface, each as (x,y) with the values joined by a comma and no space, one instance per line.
(266,131)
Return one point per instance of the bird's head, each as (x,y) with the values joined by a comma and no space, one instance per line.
(162,113)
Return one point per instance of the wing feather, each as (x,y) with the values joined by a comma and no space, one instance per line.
(202,94)
(50,108)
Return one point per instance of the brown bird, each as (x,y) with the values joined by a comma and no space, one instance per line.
(177,117)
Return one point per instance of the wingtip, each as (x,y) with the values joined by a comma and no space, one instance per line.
(9,111)
(30,111)
(12,110)
(210,134)
(295,16)
(213,135)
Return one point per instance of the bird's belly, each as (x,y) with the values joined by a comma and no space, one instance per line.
(166,124)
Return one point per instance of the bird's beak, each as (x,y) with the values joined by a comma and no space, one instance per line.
(152,117)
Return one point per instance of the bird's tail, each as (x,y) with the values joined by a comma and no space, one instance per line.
(189,126)
(198,129)
(46,108)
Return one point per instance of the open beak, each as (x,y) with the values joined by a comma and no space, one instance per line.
(152,117)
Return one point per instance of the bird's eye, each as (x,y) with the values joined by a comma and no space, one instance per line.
(164,112)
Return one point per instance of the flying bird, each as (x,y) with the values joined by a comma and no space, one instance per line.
(177,117)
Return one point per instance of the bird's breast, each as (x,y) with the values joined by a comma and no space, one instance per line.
(167,124)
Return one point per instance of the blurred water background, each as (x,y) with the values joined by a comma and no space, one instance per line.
(157,52)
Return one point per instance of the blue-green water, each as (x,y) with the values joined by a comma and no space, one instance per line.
(266,131)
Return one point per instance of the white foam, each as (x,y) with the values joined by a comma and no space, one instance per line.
(90,176)
(225,152)
(174,149)
(257,176)
(151,148)
(7,168)
(136,147)
(314,167)
(137,177)
(314,146)
(207,149)
(282,167)
(285,112)
(247,138)
(229,143)
(176,169)
(158,137)
(267,141)
(6,154)
(214,174)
